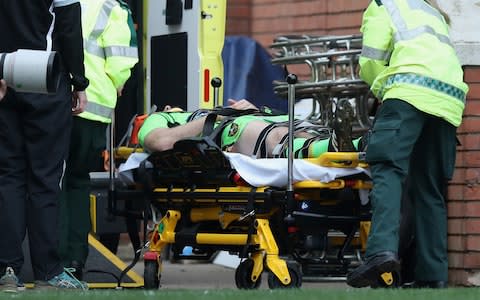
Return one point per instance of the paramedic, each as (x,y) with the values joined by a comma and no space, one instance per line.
(34,137)
(110,52)
(410,63)
(127,106)
(250,134)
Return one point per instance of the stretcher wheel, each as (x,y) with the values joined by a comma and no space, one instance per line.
(295,278)
(151,276)
(243,276)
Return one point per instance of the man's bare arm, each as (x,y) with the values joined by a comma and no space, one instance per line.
(161,139)
(242,104)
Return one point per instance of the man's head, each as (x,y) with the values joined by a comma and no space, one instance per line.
(169,108)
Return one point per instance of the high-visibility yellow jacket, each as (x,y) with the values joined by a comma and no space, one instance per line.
(407,54)
(110,46)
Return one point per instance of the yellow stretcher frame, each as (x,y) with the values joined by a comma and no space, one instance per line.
(207,208)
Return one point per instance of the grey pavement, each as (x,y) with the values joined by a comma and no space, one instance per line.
(202,275)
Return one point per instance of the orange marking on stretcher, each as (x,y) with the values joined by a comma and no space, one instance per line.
(139,120)
(238,180)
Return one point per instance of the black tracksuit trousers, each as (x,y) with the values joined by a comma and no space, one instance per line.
(34,139)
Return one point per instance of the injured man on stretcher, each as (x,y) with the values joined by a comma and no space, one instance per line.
(245,129)
(248,135)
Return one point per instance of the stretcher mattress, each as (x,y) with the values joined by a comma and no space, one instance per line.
(261,172)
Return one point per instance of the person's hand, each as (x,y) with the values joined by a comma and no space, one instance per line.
(79,102)
(3,89)
(241,104)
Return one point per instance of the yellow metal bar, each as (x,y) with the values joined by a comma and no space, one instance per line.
(309,184)
(258,258)
(93,212)
(264,237)
(364,231)
(105,285)
(216,213)
(226,189)
(334,184)
(363,185)
(279,268)
(223,239)
(339,160)
(205,214)
(166,228)
(164,232)
(102,285)
(115,260)
(124,152)
(244,189)
(267,242)
(213,214)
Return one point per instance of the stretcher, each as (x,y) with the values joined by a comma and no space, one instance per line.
(195,197)
(207,205)
(194,194)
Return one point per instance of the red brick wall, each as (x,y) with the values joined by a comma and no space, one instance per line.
(264,20)
(239,14)
(464,191)
(271,18)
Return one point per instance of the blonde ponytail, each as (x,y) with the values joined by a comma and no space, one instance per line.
(434,4)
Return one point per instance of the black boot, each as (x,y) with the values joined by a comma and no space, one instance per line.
(369,273)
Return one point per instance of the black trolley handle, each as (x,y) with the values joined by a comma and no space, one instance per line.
(216,84)
(291,80)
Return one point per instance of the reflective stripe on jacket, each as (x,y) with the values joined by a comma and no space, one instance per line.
(110,52)
(407,54)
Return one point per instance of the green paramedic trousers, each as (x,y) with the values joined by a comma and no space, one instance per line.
(405,141)
(88,139)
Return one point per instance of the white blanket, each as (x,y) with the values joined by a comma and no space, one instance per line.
(262,171)
(274,171)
